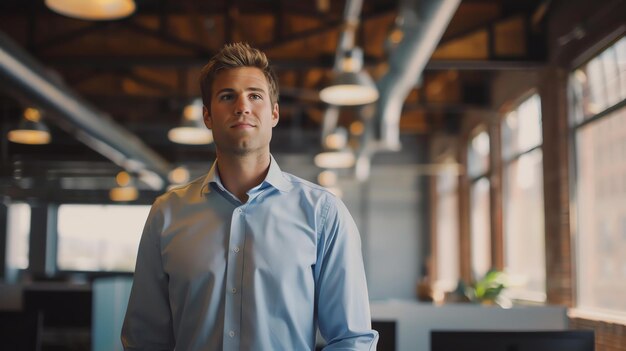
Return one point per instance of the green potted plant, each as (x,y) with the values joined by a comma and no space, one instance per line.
(488,289)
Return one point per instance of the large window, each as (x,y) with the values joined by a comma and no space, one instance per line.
(523,215)
(447,213)
(18,234)
(480,228)
(99,237)
(598,96)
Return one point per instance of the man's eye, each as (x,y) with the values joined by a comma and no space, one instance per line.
(256,97)
(225,97)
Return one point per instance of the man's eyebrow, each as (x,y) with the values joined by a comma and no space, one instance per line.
(256,89)
(230,90)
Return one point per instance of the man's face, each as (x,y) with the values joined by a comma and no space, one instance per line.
(242,115)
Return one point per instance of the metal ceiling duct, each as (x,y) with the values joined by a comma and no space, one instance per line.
(351,14)
(423,25)
(89,125)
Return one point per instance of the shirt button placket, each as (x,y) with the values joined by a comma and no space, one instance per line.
(234,273)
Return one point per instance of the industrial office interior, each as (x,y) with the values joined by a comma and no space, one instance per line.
(486,140)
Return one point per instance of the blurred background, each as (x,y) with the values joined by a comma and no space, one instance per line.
(471,140)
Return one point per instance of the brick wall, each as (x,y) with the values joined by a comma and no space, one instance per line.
(551,83)
(601,20)
(559,284)
(609,336)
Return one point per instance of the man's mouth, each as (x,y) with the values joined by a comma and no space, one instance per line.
(242,125)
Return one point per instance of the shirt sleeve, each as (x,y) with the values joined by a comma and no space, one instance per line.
(342,299)
(148,321)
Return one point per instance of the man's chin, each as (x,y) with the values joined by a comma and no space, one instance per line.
(239,146)
(242,149)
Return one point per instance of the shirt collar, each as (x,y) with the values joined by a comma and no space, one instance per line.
(211,177)
(274,178)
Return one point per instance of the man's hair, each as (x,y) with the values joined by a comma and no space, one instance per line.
(236,55)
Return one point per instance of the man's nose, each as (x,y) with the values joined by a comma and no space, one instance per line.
(242,105)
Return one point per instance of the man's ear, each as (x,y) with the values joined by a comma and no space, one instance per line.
(208,122)
(275,115)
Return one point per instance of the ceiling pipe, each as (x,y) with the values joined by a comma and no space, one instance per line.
(423,25)
(351,15)
(345,43)
(89,125)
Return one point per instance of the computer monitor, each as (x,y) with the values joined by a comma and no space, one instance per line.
(562,340)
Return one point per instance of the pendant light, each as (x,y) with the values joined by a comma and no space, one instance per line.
(126,190)
(192,130)
(31,130)
(95,10)
(352,86)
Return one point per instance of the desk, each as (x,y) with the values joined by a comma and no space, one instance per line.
(415,320)
(58,315)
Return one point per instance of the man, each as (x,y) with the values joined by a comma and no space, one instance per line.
(247,257)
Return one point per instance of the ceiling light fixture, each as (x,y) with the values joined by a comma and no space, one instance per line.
(357,128)
(335,190)
(31,130)
(96,10)
(352,86)
(125,191)
(192,130)
(179,175)
(350,89)
(327,178)
(337,139)
(334,159)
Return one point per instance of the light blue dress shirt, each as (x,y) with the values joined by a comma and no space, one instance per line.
(213,273)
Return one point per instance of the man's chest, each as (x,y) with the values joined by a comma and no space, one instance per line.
(246,241)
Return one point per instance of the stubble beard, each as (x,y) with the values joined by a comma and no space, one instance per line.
(242,148)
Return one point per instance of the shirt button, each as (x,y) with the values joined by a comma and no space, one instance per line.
(231,334)
(233,290)
(239,210)
(236,249)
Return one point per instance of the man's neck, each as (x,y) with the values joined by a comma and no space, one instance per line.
(242,173)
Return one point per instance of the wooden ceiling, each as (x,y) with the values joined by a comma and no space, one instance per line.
(142,70)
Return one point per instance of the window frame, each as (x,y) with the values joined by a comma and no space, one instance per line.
(502,164)
(472,180)
(436,199)
(572,128)
(89,273)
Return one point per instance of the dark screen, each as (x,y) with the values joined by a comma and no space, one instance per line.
(565,340)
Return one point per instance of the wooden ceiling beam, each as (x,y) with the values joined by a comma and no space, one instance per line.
(117,61)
